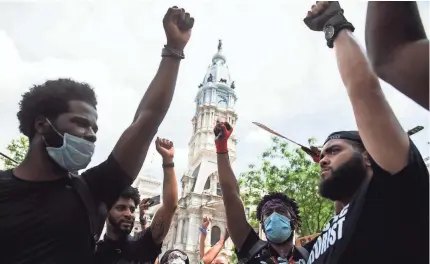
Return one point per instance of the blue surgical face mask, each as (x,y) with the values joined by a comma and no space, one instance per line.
(277,228)
(75,154)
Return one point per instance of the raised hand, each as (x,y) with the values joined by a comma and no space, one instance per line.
(144,205)
(222,132)
(206,222)
(320,13)
(177,26)
(328,17)
(165,148)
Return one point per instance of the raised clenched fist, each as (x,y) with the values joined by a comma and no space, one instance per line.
(165,148)
(205,222)
(321,13)
(177,26)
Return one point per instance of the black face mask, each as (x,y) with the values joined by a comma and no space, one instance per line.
(345,180)
(118,227)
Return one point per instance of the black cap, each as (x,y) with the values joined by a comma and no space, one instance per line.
(350,135)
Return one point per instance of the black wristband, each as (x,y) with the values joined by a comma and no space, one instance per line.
(169,165)
(337,29)
(222,152)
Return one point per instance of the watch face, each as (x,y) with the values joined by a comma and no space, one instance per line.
(329,32)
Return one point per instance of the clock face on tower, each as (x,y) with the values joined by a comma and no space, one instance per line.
(222,101)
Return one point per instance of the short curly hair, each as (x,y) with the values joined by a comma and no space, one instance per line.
(131,193)
(50,100)
(290,202)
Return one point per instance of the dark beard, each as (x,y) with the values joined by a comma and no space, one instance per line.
(117,227)
(345,180)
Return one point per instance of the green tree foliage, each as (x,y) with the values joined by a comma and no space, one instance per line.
(290,172)
(17,150)
(233,257)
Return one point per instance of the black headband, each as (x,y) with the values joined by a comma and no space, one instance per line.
(350,135)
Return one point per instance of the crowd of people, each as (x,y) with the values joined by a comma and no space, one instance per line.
(51,214)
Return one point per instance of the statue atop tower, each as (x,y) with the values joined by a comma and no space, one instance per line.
(201,192)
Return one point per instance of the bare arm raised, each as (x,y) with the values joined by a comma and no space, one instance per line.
(381,132)
(398,47)
(163,217)
(132,147)
(109,178)
(235,211)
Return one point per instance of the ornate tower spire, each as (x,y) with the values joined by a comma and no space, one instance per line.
(215,99)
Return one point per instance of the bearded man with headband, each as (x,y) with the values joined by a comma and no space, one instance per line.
(377,173)
(278,214)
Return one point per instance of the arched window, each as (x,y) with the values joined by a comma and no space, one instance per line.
(207,184)
(218,189)
(215,235)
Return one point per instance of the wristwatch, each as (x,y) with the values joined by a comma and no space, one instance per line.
(331,31)
(169,165)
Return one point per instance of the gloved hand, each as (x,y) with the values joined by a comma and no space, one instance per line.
(327,16)
(324,13)
(222,132)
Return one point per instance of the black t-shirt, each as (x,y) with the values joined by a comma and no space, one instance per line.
(387,220)
(252,239)
(140,249)
(46,222)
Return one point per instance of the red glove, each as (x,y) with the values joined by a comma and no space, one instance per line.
(222,132)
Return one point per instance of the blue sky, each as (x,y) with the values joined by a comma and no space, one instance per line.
(285,75)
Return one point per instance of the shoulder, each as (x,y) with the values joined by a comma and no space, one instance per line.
(412,179)
(109,166)
(415,165)
(144,238)
(251,246)
(6,175)
(142,247)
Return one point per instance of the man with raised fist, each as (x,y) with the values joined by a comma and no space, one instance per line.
(376,173)
(277,213)
(48,213)
(118,246)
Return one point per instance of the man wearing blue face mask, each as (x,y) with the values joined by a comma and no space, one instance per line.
(279,217)
(278,214)
(48,214)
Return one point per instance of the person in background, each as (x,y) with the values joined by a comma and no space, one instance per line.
(213,255)
(398,47)
(117,246)
(221,258)
(143,206)
(277,213)
(367,170)
(175,256)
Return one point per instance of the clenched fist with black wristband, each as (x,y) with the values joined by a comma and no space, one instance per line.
(327,16)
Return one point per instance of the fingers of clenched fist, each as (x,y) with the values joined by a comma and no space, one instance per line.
(179,17)
(206,221)
(164,143)
(318,8)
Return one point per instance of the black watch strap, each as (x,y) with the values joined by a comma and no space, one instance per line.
(337,29)
(169,165)
(334,25)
